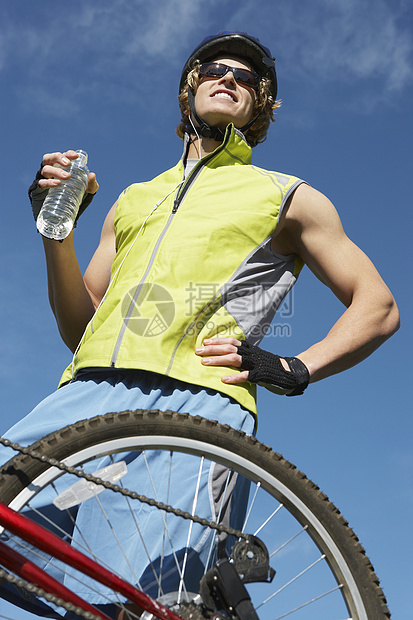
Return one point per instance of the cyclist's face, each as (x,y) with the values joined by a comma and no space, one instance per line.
(220,101)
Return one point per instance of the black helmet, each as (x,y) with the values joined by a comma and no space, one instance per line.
(238,44)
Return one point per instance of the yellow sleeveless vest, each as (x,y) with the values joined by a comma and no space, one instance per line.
(193,261)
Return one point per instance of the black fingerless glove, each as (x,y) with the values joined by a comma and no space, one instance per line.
(37,194)
(37,197)
(266,369)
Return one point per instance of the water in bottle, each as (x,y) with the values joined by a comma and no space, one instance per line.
(61,206)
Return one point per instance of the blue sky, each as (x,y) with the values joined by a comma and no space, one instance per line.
(103,76)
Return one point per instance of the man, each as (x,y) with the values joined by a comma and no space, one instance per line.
(213,218)
(308,227)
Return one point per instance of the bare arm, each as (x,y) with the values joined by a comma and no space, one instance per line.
(312,229)
(315,232)
(73,299)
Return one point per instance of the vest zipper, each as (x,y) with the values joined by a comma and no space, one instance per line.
(137,292)
(177,202)
(193,175)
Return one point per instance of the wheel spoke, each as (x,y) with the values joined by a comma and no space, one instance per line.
(165,526)
(285,511)
(268,519)
(252,504)
(58,567)
(194,505)
(313,600)
(291,581)
(288,542)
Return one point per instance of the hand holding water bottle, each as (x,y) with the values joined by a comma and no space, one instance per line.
(69,187)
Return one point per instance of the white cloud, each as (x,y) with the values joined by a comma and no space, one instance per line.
(347,39)
(324,40)
(107,30)
(164,34)
(55,58)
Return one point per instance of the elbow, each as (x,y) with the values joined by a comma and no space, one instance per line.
(395,319)
(391,318)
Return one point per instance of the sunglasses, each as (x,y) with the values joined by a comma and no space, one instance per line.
(241,76)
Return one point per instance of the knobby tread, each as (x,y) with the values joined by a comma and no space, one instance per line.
(19,471)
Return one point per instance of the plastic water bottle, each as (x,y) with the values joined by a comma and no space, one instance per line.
(61,206)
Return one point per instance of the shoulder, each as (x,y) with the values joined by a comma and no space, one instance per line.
(309,221)
(308,211)
(309,206)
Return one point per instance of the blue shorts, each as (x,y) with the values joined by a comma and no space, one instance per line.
(96,394)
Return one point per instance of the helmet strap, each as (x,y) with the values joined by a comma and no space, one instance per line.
(251,122)
(205,130)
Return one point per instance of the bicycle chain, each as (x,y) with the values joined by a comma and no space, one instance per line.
(117,489)
(33,589)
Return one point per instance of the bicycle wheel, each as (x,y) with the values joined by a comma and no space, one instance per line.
(322,571)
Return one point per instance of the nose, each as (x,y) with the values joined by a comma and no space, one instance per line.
(228,78)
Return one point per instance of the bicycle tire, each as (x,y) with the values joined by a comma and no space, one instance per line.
(358,586)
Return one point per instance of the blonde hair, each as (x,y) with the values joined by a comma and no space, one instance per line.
(264,106)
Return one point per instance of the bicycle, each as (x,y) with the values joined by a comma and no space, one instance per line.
(294,554)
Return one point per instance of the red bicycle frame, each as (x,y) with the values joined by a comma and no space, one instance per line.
(50,543)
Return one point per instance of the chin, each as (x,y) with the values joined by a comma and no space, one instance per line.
(221,120)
